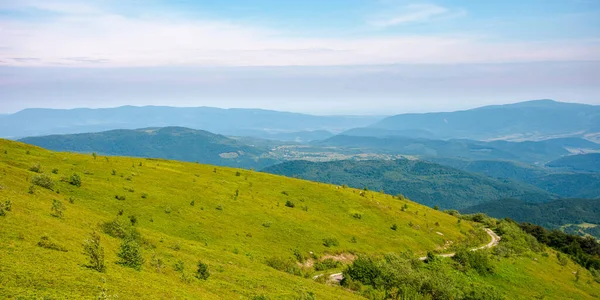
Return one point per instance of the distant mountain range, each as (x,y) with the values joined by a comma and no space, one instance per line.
(424,182)
(531,120)
(169,143)
(250,122)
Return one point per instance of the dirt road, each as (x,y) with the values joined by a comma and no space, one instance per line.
(337,277)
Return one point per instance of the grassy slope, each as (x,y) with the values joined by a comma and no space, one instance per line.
(202,231)
(206,233)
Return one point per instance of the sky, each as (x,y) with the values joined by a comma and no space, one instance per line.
(312,56)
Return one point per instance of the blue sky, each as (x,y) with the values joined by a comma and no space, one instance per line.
(335,56)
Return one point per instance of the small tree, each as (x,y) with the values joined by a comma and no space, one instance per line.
(95,252)
(202,273)
(75,180)
(58,208)
(130,254)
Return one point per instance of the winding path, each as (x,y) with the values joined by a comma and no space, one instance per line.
(337,277)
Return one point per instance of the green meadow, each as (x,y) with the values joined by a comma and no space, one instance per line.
(258,234)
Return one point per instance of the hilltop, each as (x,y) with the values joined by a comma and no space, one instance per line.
(169,142)
(216,232)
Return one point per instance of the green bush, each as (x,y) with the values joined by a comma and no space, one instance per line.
(7,205)
(36,168)
(394,227)
(357,216)
(120,197)
(327,264)
(330,242)
(130,254)
(202,272)
(122,229)
(94,252)
(75,180)
(476,260)
(43,180)
(284,264)
(289,203)
(55,171)
(47,243)
(58,208)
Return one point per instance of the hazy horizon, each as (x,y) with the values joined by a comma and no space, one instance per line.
(319,57)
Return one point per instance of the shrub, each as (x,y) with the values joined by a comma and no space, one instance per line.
(31,189)
(2,212)
(202,272)
(219,207)
(55,171)
(75,180)
(58,208)
(394,227)
(238,173)
(266,224)
(120,197)
(284,264)
(330,242)
(353,240)
(144,195)
(43,180)
(36,168)
(120,229)
(130,254)
(113,172)
(563,260)
(157,263)
(133,220)
(192,203)
(47,243)
(476,260)
(299,256)
(7,205)
(94,252)
(290,204)
(327,264)
(436,207)
(357,216)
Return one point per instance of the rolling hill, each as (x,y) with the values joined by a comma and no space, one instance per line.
(583,162)
(424,182)
(254,122)
(557,181)
(552,215)
(531,120)
(169,143)
(170,229)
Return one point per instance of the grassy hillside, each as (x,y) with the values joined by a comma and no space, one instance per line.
(244,226)
(551,215)
(169,142)
(425,182)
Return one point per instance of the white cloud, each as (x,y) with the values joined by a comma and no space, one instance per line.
(90,36)
(410,13)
